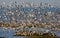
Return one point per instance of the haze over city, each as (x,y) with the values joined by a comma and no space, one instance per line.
(52,2)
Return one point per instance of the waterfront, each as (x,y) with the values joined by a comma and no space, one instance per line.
(29,19)
(8,33)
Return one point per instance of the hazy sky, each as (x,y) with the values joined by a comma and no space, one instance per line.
(53,2)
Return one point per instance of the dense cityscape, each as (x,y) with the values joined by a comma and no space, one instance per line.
(29,19)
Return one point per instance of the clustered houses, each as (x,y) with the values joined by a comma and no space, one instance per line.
(29,16)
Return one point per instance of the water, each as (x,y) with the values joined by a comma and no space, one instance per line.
(8,33)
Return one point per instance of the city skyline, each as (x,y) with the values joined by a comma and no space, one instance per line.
(52,2)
